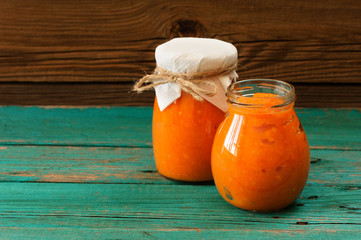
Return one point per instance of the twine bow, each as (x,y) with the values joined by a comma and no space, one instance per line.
(192,83)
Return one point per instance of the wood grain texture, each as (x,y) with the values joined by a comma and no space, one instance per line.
(111,208)
(174,211)
(113,42)
(131,127)
(89,173)
(120,165)
(328,208)
(120,94)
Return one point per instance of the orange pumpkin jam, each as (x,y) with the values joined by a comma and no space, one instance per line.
(183,134)
(260,155)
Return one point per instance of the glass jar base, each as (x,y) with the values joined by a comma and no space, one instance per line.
(196,181)
(265,211)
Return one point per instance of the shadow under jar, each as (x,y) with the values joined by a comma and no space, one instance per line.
(260,154)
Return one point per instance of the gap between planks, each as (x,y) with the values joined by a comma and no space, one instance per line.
(142,146)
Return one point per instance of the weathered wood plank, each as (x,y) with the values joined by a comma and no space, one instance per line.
(79,164)
(136,165)
(120,94)
(345,232)
(331,127)
(79,94)
(160,209)
(113,42)
(67,173)
(129,126)
(122,126)
(293,60)
(86,40)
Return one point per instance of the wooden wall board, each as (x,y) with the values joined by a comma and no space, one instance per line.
(121,94)
(113,42)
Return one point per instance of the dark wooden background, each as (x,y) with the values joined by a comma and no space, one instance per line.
(89,52)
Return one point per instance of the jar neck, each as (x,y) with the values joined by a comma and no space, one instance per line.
(260,95)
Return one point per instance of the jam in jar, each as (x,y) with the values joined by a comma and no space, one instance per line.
(190,81)
(260,154)
(183,134)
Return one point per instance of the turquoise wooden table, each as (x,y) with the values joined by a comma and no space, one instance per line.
(88,173)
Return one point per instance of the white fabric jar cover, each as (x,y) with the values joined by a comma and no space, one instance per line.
(196,55)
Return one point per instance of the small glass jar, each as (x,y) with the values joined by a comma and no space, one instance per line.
(260,154)
(183,134)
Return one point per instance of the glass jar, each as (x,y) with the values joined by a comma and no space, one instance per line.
(190,82)
(260,154)
(183,134)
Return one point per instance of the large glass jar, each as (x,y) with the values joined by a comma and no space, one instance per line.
(260,154)
(183,134)
(190,82)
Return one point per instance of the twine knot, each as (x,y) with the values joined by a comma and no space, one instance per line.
(192,83)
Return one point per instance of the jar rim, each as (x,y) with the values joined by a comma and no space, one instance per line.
(239,90)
